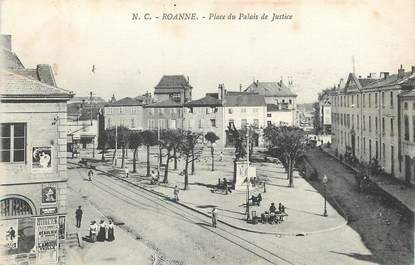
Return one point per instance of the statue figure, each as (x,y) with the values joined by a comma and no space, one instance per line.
(240,151)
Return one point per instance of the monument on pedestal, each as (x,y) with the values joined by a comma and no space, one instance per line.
(242,172)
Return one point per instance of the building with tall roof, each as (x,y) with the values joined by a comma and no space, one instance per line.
(206,115)
(280,99)
(173,87)
(366,119)
(34,180)
(126,112)
(166,114)
(243,109)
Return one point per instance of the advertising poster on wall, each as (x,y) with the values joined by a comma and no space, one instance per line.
(47,231)
(17,236)
(41,159)
(62,227)
(9,234)
(49,193)
(327,115)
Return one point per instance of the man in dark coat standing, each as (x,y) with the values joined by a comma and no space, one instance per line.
(78,215)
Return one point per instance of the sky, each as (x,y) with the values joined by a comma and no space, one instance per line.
(315,48)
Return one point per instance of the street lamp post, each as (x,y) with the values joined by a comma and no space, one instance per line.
(325,199)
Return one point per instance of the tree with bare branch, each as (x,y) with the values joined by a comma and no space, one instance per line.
(169,141)
(187,149)
(149,138)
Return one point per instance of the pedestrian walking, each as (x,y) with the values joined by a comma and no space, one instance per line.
(176,193)
(90,175)
(221,156)
(126,170)
(110,231)
(78,215)
(101,231)
(214,216)
(93,228)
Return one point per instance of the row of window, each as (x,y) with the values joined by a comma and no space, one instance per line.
(122,110)
(161,124)
(349,121)
(201,123)
(152,111)
(121,122)
(367,147)
(203,110)
(244,122)
(290,101)
(370,99)
(243,110)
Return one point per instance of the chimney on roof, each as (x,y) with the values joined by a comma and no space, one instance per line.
(401,72)
(221,91)
(413,69)
(371,75)
(384,74)
(6,41)
(240,87)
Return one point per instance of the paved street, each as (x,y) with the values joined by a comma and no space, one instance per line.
(386,231)
(179,235)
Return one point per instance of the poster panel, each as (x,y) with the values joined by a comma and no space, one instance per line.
(9,235)
(17,236)
(62,227)
(47,231)
(42,159)
(49,192)
(327,115)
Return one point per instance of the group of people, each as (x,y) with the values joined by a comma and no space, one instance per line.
(101,232)
(273,209)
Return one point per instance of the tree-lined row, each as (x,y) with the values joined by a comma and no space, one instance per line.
(174,144)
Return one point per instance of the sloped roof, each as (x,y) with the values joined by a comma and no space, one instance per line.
(80,112)
(207,101)
(164,104)
(410,82)
(172,81)
(408,94)
(391,80)
(13,85)
(127,101)
(241,100)
(9,59)
(270,89)
(87,99)
(42,73)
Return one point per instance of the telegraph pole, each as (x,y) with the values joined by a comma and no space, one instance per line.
(116,143)
(247,174)
(90,110)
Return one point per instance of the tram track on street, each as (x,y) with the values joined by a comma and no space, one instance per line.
(131,191)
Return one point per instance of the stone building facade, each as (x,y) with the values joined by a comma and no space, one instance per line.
(366,123)
(244,109)
(206,115)
(407,132)
(128,112)
(33,183)
(280,99)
